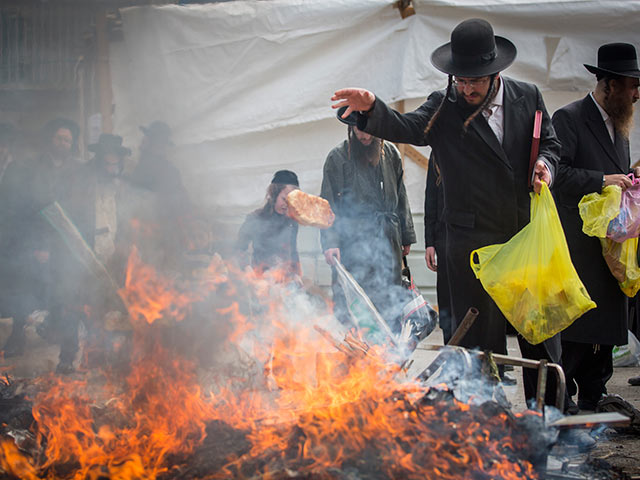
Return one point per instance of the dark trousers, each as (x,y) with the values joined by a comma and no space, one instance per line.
(65,322)
(548,350)
(488,332)
(588,368)
(442,289)
(19,300)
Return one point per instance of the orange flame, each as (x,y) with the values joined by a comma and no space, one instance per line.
(149,296)
(323,409)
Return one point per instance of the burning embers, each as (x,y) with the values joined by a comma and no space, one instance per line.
(299,408)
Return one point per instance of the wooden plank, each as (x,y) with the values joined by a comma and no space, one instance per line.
(408,150)
(399,106)
(416,156)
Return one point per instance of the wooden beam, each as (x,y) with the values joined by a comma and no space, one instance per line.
(416,156)
(408,150)
(405,7)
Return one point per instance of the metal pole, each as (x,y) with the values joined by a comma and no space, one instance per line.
(464,326)
(542,385)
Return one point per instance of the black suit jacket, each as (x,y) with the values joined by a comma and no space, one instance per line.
(485,182)
(587,154)
(433,208)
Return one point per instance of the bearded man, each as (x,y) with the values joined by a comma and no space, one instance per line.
(594,133)
(36,267)
(363,182)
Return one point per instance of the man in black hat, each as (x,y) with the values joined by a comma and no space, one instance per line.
(435,243)
(109,164)
(38,271)
(154,170)
(594,133)
(157,174)
(363,182)
(480,131)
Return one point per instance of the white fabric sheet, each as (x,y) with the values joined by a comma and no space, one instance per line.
(246,84)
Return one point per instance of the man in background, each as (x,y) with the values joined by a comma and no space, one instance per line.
(363,182)
(38,270)
(435,239)
(594,133)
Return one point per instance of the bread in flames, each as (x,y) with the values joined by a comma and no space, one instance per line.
(309,210)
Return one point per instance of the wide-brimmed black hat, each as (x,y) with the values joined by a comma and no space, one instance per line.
(351,120)
(474,51)
(618,59)
(286,177)
(108,143)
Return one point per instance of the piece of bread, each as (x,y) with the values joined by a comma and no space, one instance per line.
(309,210)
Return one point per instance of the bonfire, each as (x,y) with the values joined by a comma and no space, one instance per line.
(285,393)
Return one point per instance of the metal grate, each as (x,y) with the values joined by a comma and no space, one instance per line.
(40,46)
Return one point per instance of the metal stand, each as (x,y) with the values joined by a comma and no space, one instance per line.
(542,366)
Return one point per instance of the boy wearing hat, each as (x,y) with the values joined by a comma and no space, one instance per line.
(271,233)
(480,131)
(594,133)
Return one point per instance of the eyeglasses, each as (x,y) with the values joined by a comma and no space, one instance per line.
(471,82)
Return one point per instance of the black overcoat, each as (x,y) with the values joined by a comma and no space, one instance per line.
(587,154)
(486,194)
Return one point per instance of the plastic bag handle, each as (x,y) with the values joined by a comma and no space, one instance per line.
(634,180)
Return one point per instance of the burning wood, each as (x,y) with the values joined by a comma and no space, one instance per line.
(330,414)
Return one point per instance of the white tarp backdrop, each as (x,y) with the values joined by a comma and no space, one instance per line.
(246,84)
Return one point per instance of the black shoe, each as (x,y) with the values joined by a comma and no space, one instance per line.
(586,404)
(635,381)
(571,408)
(615,403)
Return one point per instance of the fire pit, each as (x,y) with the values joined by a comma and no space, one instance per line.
(302,407)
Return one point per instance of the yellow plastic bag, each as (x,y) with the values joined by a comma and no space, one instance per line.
(531,277)
(622,259)
(598,209)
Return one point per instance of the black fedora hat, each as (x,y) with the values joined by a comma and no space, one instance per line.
(159,132)
(618,59)
(351,120)
(108,143)
(474,51)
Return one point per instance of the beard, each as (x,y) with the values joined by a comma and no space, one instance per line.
(620,109)
(366,153)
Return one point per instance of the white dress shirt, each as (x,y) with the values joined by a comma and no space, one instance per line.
(494,113)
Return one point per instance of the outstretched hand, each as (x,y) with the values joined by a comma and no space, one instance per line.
(355,99)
